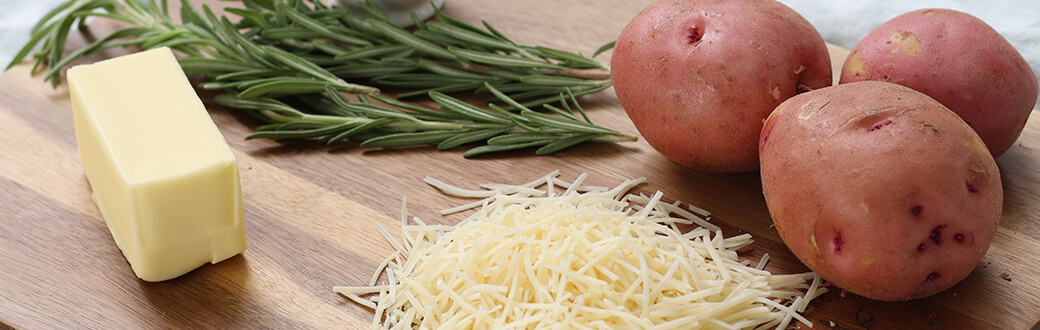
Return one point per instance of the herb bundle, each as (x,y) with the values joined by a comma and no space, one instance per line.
(281,56)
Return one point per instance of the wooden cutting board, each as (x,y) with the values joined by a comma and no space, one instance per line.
(311,210)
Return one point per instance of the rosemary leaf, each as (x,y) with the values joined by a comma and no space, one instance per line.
(327,48)
(402,36)
(254,74)
(572,60)
(605,47)
(409,139)
(316,26)
(469,36)
(452,72)
(561,112)
(58,35)
(358,130)
(485,149)
(285,86)
(514,118)
(289,32)
(566,124)
(496,59)
(163,37)
(458,87)
(200,65)
(253,16)
(48,17)
(511,74)
(418,110)
(513,105)
(577,105)
(471,137)
(299,125)
(442,17)
(364,109)
(253,52)
(522,138)
(209,39)
(564,144)
(517,87)
(370,52)
(416,21)
(422,80)
(532,93)
(55,69)
(260,104)
(224,35)
(349,71)
(553,99)
(445,40)
(299,134)
(293,61)
(463,109)
(373,9)
(190,16)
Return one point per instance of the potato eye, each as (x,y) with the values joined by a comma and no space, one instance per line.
(693,35)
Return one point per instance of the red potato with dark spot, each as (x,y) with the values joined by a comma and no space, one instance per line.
(698,77)
(879,189)
(956,59)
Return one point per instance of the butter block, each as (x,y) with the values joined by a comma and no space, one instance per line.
(161,173)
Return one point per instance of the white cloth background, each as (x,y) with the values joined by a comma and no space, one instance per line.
(842,22)
(16,19)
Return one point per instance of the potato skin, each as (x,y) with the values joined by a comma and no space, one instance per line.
(698,77)
(956,59)
(879,189)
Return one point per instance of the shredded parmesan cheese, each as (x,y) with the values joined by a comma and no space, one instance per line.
(590,257)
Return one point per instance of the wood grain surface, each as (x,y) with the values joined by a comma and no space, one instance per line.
(310,211)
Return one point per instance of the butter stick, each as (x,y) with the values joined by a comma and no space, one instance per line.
(161,173)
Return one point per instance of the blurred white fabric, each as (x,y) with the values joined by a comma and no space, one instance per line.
(16,19)
(841,22)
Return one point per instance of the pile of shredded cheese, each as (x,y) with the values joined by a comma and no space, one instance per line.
(589,257)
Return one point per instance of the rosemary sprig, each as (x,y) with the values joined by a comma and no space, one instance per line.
(457,123)
(283,54)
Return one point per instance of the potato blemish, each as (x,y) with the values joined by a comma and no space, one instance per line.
(837,242)
(693,35)
(879,125)
(857,66)
(866,261)
(972,188)
(875,119)
(932,277)
(905,42)
(958,237)
(916,210)
(936,235)
(812,242)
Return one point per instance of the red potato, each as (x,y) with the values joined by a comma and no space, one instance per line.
(879,189)
(956,59)
(698,77)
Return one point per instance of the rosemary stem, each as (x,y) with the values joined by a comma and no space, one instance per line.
(275,116)
(617,138)
(432,125)
(403,125)
(139,18)
(588,74)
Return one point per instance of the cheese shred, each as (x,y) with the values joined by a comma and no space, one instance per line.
(589,257)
